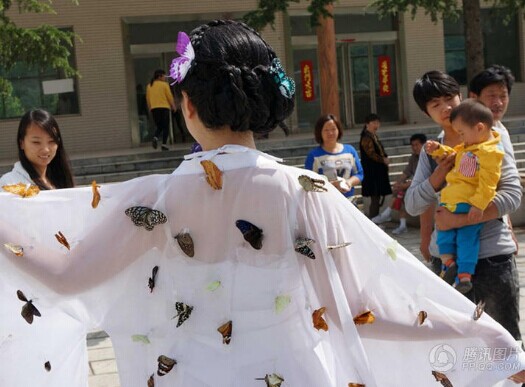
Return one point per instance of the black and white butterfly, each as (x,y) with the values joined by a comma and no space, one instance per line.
(28,310)
(186,242)
(183,312)
(302,246)
(151,280)
(251,233)
(272,380)
(146,217)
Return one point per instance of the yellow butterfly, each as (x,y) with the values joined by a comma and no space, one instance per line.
(15,249)
(23,190)
(96,194)
(213,174)
(365,318)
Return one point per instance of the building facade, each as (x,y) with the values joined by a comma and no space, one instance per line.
(123,42)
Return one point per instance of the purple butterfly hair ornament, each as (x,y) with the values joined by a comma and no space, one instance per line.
(180,65)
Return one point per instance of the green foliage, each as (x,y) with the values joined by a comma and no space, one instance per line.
(441,8)
(42,47)
(266,10)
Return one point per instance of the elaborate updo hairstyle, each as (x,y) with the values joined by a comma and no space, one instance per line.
(59,170)
(230,82)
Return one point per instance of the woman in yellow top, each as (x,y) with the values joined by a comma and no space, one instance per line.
(471,186)
(160,103)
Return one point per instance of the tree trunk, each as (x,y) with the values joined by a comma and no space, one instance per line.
(328,64)
(473,37)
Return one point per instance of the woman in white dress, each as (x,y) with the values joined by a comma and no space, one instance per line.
(234,270)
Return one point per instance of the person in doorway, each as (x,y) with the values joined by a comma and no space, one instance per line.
(495,280)
(376,182)
(160,104)
(338,162)
(42,158)
(401,185)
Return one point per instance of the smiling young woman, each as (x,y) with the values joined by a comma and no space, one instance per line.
(42,158)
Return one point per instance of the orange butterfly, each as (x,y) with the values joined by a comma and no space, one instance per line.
(356,385)
(15,249)
(151,381)
(23,190)
(365,318)
(213,174)
(319,321)
(62,240)
(421,317)
(96,194)
(226,331)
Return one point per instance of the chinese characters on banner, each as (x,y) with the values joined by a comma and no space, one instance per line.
(385,86)
(307,77)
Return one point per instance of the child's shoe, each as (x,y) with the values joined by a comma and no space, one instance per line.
(400,230)
(381,218)
(463,283)
(449,273)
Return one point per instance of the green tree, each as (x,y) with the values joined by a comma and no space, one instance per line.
(42,47)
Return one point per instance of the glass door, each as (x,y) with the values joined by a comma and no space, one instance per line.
(373,80)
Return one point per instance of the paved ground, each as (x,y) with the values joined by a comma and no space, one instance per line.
(103,368)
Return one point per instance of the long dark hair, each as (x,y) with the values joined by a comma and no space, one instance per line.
(230,82)
(58,171)
(156,75)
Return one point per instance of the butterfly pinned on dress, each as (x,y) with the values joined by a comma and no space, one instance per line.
(151,381)
(151,280)
(96,194)
(272,380)
(282,302)
(185,242)
(183,312)
(442,378)
(15,249)
(226,331)
(312,185)
(47,366)
(319,321)
(28,310)
(302,246)
(421,317)
(62,240)
(181,65)
(364,318)
(213,174)
(251,233)
(480,308)
(140,339)
(146,217)
(23,190)
(356,385)
(391,250)
(165,365)
(339,246)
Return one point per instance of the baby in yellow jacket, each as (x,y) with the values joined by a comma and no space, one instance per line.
(471,186)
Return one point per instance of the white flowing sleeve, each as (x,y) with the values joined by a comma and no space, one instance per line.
(375,273)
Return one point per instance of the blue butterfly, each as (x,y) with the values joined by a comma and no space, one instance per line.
(251,233)
(286,84)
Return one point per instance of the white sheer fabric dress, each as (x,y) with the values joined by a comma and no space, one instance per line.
(269,295)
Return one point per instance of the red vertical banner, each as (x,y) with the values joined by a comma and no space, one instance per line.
(385,85)
(307,78)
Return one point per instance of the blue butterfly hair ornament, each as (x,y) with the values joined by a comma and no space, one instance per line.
(285,83)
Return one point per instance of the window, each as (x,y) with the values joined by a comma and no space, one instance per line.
(347,23)
(495,33)
(48,89)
